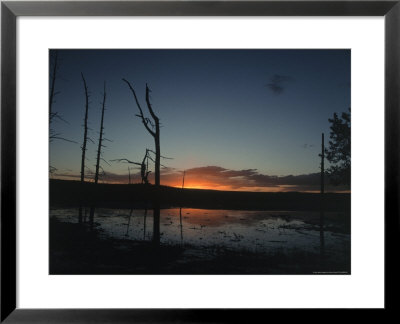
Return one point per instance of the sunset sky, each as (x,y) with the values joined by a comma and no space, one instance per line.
(233,119)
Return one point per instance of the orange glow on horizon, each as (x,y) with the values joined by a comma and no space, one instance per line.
(207,184)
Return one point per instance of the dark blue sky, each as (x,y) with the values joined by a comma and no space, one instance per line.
(235,109)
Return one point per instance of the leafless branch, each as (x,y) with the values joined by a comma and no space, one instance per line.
(62,138)
(141,115)
(164,157)
(126,161)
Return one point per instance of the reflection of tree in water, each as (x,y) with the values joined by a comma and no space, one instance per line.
(180,224)
(91,216)
(156,221)
(144,223)
(129,222)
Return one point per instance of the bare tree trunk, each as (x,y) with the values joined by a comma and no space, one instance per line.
(85,136)
(96,176)
(158,156)
(85,132)
(53,84)
(156,135)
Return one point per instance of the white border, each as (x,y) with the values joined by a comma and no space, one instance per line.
(363,288)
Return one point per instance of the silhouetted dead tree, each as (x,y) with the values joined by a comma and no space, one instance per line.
(85,129)
(53,78)
(54,67)
(85,138)
(153,127)
(53,75)
(100,146)
(154,124)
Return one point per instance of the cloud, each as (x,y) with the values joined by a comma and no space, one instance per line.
(219,178)
(216,177)
(278,83)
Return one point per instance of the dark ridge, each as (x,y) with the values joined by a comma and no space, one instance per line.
(66,193)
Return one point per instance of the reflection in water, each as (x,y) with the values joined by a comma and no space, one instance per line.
(255,231)
(180,223)
(156,225)
(321,236)
(91,216)
(129,222)
(144,224)
(80,214)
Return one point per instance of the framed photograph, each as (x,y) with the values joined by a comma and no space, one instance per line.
(164,158)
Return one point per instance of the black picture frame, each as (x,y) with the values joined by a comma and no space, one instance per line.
(10,10)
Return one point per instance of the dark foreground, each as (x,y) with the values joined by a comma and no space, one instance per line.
(78,249)
(88,248)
